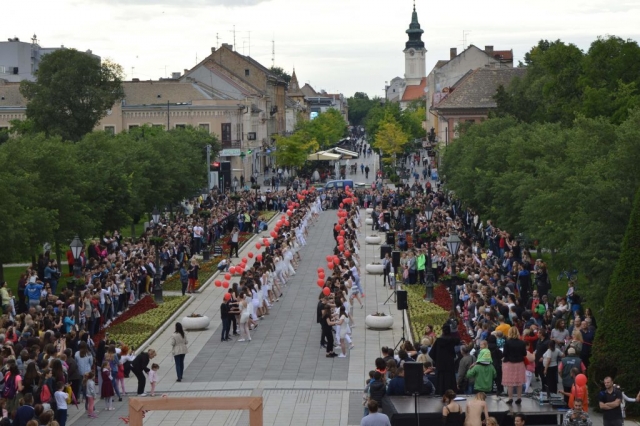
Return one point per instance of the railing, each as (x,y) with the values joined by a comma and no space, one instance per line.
(231,145)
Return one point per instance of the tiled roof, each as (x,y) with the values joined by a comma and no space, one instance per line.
(411,93)
(161,92)
(10,95)
(308,90)
(476,90)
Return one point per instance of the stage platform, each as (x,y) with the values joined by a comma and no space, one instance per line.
(401,410)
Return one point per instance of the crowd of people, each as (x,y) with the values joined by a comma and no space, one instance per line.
(500,295)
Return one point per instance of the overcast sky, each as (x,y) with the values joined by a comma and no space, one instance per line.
(336,45)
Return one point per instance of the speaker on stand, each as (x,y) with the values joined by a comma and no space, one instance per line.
(402,304)
(391,239)
(413,383)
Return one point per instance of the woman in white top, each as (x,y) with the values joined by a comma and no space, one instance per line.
(343,332)
(244,318)
(550,360)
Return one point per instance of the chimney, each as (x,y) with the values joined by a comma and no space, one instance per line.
(213,49)
(488,50)
(175,75)
(228,46)
(453,52)
(186,70)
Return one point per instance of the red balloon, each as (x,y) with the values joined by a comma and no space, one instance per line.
(250,255)
(330,265)
(218,283)
(329,258)
(347,188)
(289,212)
(267,243)
(227,276)
(274,234)
(347,253)
(321,275)
(326,291)
(244,260)
(320,283)
(259,257)
(320,269)
(341,247)
(225,284)
(341,221)
(341,206)
(342,233)
(298,204)
(336,259)
(581,380)
(286,223)
(232,269)
(258,246)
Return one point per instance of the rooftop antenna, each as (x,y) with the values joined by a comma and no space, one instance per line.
(217,41)
(249,43)
(34,39)
(273,52)
(234,38)
(132,68)
(465,33)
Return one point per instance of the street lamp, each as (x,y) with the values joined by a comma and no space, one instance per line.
(429,277)
(157,285)
(453,244)
(76,251)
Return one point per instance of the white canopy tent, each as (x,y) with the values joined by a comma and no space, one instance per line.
(324,156)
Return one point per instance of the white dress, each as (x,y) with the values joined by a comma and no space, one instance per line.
(344,328)
(244,313)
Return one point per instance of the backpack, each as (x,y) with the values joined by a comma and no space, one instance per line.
(45,394)
(10,389)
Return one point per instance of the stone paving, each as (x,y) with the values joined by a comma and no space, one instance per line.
(284,361)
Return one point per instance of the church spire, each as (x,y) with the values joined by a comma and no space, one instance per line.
(414,31)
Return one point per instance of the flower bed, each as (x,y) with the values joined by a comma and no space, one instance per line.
(422,313)
(267,215)
(140,321)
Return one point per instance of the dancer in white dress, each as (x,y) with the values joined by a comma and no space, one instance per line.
(244,319)
(343,333)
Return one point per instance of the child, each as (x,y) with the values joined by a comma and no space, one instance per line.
(153,378)
(365,396)
(120,377)
(106,391)
(90,385)
(484,356)
(61,403)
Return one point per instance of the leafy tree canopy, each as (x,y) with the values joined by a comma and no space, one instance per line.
(72,93)
(280,73)
(359,107)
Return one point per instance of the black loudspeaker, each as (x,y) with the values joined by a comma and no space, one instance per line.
(412,376)
(395,259)
(391,238)
(402,300)
(384,250)
(387,217)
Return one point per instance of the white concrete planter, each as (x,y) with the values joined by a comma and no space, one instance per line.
(368,221)
(373,239)
(369,211)
(374,269)
(378,323)
(197,323)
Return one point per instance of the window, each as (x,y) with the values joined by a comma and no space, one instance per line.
(181,126)
(247,72)
(204,126)
(133,126)
(110,129)
(226,132)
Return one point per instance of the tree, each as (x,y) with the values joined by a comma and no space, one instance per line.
(292,151)
(615,347)
(72,94)
(390,139)
(327,128)
(280,73)
(359,107)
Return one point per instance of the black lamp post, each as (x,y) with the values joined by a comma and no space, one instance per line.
(453,243)
(157,285)
(76,249)
(429,278)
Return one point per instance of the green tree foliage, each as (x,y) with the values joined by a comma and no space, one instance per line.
(359,107)
(390,139)
(563,82)
(54,189)
(73,92)
(615,347)
(280,73)
(293,150)
(570,188)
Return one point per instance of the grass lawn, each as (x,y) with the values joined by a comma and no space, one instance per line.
(559,288)
(12,275)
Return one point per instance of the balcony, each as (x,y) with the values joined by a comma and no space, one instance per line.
(231,145)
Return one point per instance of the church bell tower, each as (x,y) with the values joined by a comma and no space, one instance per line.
(415,65)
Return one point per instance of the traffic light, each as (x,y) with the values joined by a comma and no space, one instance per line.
(215,166)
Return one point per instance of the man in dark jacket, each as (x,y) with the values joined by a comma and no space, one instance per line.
(396,385)
(140,366)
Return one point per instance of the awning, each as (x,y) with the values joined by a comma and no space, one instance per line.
(323,156)
(346,152)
